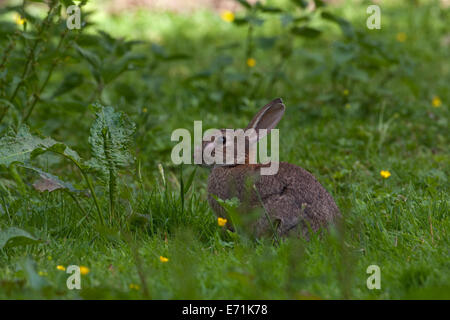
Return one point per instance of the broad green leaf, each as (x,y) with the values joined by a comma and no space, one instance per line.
(22,146)
(13,237)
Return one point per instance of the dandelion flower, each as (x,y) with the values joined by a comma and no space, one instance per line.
(144,110)
(61,268)
(163,259)
(19,20)
(227,16)
(385,174)
(134,286)
(345,92)
(401,37)
(436,102)
(221,221)
(84,270)
(251,62)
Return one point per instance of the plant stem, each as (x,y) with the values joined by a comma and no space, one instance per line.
(90,186)
(30,58)
(36,96)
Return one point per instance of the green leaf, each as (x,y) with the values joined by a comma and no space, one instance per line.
(319,3)
(266,42)
(66,3)
(93,60)
(29,36)
(35,281)
(116,67)
(22,146)
(245,3)
(89,56)
(268,9)
(110,139)
(49,182)
(70,82)
(4,102)
(190,180)
(301,3)
(306,32)
(346,27)
(13,237)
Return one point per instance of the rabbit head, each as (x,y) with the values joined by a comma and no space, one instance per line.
(229,147)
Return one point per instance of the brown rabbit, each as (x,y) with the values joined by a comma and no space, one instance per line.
(292,198)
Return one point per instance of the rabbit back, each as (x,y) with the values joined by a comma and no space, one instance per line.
(293,197)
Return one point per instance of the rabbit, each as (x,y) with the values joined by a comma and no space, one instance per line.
(293,199)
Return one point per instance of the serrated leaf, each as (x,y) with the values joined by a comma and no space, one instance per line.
(13,237)
(110,139)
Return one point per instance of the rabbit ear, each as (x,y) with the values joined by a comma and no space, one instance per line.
(267,118)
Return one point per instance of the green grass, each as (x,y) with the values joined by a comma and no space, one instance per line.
(385,122)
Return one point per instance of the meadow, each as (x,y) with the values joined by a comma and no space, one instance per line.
(86,176)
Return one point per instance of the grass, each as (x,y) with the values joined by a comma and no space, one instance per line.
(354,108)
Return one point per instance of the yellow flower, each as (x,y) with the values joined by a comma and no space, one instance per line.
(401,37)
(251,62)
(84,270)
(134,286)
(227,16)
(144,110)
(345,92)
(436,102)
(61,268)
(385,174)
(163,259)
(221,221)
(19,20)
